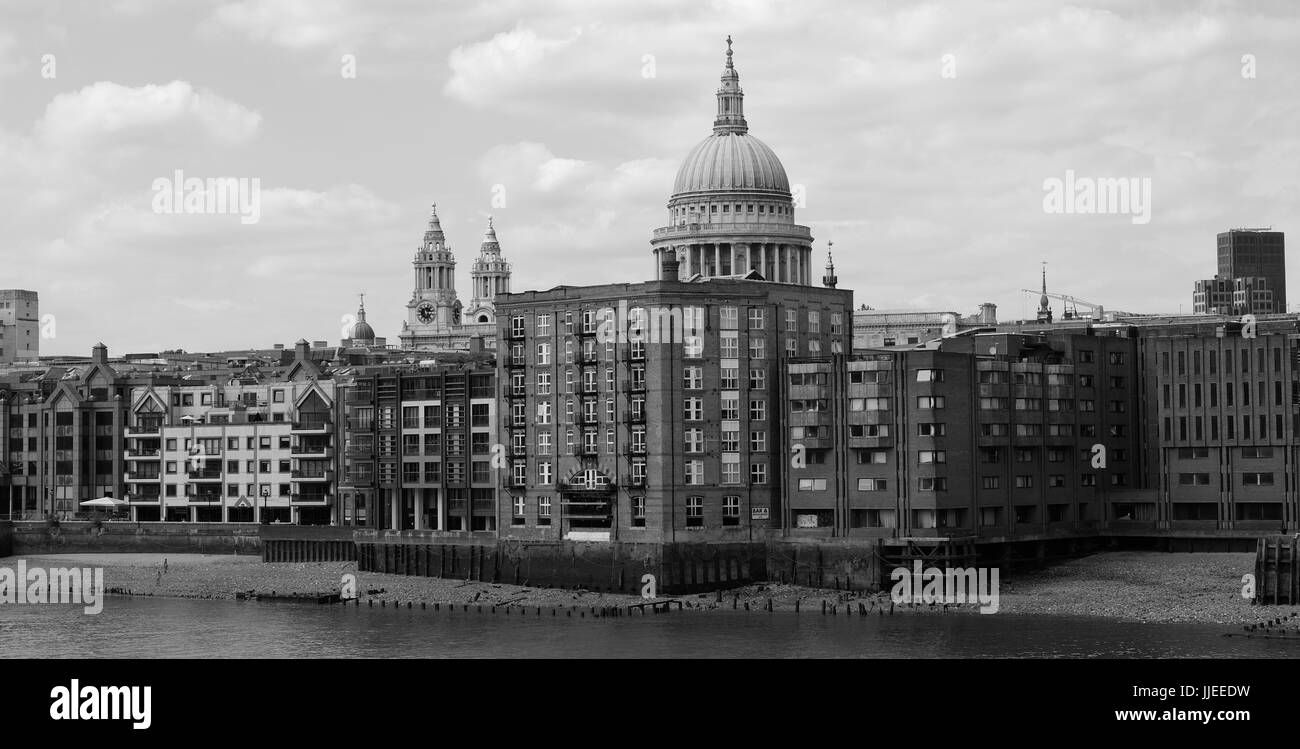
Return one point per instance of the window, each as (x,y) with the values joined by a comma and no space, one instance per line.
(758,441)
(757,410)
(932,456)
(544,475)
(758,473)
(731,510)
(638,512)
(543,353)
(757,320)
(1257,479)
(757,379)
(693,409)
(792,321)
(932,484)
(991,482)
(729,343)
(931,429)
(694,441)
(694,472)
(693,378)
(695,512)
(727,318)
(929,375)
(1193,479)
(1024,481)
(757,347)
(872,485)
(929,401)
(812,485)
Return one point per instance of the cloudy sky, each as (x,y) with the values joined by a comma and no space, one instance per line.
(922,134)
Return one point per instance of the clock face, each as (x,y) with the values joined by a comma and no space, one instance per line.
(425,313)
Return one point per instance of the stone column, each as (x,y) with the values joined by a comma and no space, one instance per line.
(717,259)
(419,508)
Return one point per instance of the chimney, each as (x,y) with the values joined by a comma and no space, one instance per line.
(988,314)
(99,354)
(302,350)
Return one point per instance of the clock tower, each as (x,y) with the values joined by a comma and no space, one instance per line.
(433,308)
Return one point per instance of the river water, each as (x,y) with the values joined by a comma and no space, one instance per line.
(181,628)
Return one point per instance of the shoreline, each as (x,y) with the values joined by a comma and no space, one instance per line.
(1154,587)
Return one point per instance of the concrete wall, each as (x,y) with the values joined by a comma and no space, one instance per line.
(68,537)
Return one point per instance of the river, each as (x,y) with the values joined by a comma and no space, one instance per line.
(185,628)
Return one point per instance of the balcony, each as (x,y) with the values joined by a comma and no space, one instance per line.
(636,482)
(359,451)
(138,429)
(134,498)
(311,499)
(421,395)
(204,474)
(203,497)
(314,426)
(589,419)
(311,451)
(635,416)
(355,397)
(142,475)
(359,480)
(312,475)
(630,386)
(144,454)
(516,362)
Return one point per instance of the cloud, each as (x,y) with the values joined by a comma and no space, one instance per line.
(107,110)
(299,24)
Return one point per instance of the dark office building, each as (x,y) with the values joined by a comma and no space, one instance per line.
(1255,253)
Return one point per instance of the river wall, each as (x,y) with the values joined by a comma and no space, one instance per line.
(84,537)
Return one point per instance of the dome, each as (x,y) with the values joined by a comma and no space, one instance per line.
(731,162)
(361,331)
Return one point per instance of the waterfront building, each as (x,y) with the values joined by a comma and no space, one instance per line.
(419,447)
(989,435)
(246,448)
(20,319)
(652,412)
(435,319)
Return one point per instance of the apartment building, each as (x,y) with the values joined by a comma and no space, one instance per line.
(420,448)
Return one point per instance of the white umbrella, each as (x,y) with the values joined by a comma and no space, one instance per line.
(104,502)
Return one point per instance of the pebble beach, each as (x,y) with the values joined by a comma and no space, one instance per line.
(1126,586)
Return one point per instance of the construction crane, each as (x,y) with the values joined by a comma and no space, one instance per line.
(1072,309)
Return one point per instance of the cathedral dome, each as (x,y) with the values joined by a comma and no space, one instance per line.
(361,331)
(731,162)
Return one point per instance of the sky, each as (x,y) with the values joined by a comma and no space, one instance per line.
(923,137)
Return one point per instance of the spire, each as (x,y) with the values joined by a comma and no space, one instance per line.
(830,279)
(1042,300)
(731,101)
(490,244)
(433,235)
(361,311)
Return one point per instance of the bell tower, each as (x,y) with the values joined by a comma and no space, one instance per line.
(490,276)
(433,306)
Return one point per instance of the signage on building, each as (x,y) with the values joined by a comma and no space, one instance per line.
(758,513)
